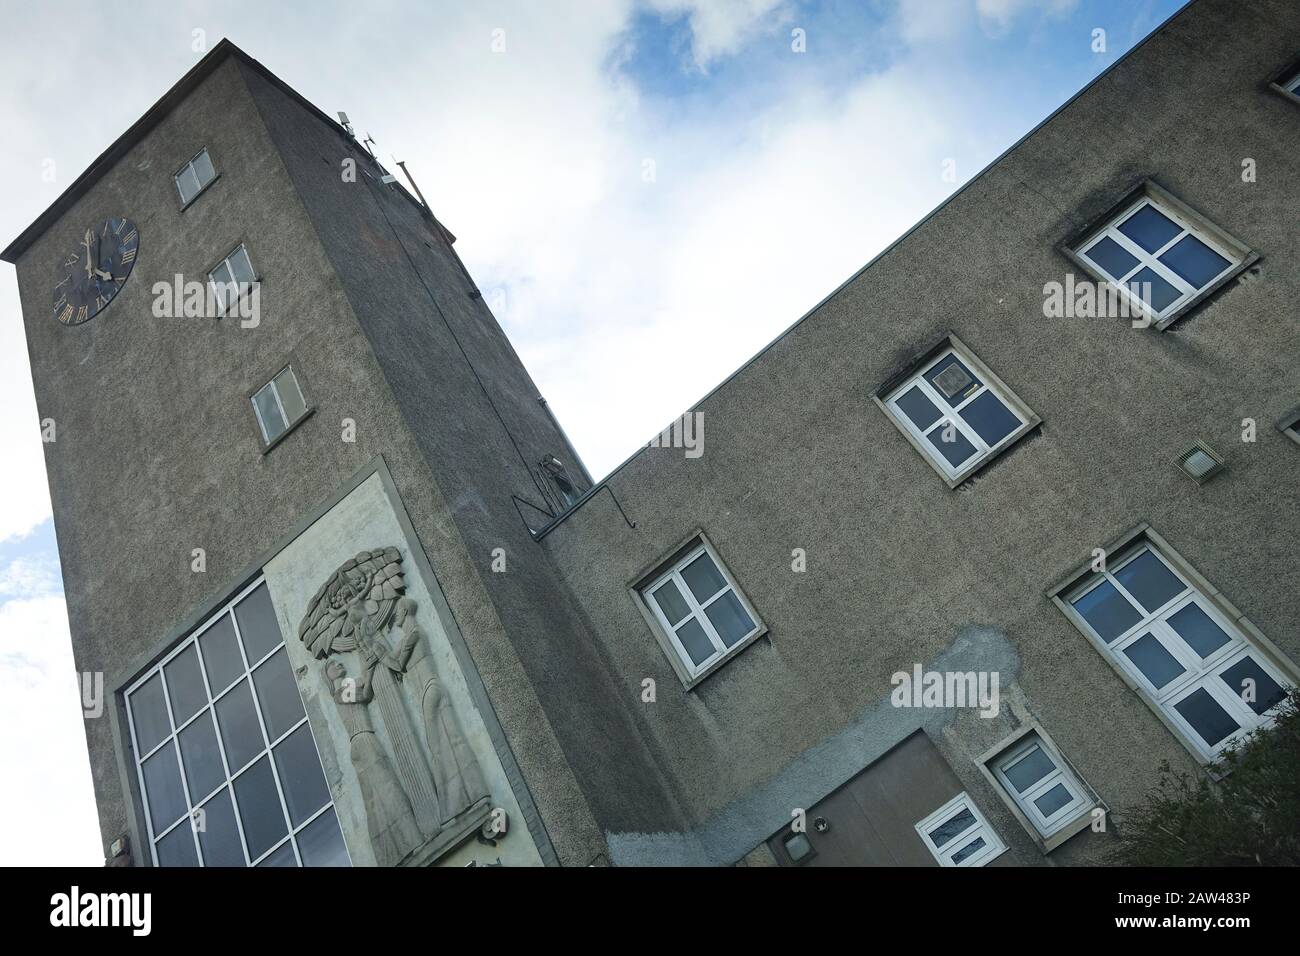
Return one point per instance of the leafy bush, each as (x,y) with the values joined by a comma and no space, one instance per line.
(1249,816)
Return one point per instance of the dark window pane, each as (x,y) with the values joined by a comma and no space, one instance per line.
(1149,229)
(149,714)
(953,380)
(918,408)
(968,850)
(291,400)
(218,834)
(1195,627)
(257,624)
(1194,261)
(185,685)
(1207,718)
(671,602)
(696,642)
(203,170)
(990,418)
(703,578)
(203,770)
(1247,679)
(221,654)
(1160,294)
(1030,769)
(177,848)
(298,764)
(162,785)
(259,808)
(321,843)
(1148,579)
(268,409)
(1114,259)
(277,692)
(1108,611)
(729,618)
(280,857)
(188,183)
(954,446)
(956,824)
(239,730)
(1053,800)
(798,846)
(1155,663)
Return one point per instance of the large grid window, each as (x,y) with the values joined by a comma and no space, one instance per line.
(1189,661)
(227,766)
(956,414)
(1157,257)
(279,405)
(232,277)
(1040,783)
(700,610)
(958,835)
(195,176)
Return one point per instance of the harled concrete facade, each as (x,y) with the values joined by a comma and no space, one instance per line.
(158,454)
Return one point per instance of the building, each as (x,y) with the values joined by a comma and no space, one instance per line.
(1084,525)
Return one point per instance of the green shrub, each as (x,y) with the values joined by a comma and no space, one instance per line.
(1250,816)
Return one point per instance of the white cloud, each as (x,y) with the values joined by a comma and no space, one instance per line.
(30,576)
(43,745)
(721,27)
(998,14)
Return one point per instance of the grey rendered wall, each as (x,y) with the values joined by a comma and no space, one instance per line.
(900,567)
(473,411)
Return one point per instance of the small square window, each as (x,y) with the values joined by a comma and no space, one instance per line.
(1039,783)
(955,411)
(279,405)
(958,835)
(232,278)
(1159,254)
(194,177)
(699,612)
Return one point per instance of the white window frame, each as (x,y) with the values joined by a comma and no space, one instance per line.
(1198,673)
(1187,291)
(1289,425)
(172,739)
(690,672)
(993,845)
(984,453)
(189,167)
(221,290)
(267,438)
(1045,826)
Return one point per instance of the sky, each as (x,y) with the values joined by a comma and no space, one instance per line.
(647,192)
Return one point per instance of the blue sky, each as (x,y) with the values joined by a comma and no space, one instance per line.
(647,191)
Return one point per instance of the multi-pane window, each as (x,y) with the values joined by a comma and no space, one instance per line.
(1035,777)
(279,405)
(232,277)
(1157,257)
(228,770)
(700,609)
(1190,662)
(958,835)
(957,416)
(1292,85)
(194,176)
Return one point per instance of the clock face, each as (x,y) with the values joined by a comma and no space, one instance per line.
(94,272)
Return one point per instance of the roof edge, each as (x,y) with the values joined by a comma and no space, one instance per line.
(120,146)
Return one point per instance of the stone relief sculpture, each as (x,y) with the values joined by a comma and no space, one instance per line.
(417,771)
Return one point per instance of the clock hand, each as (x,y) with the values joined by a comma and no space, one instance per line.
(86,242)
(104,275)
